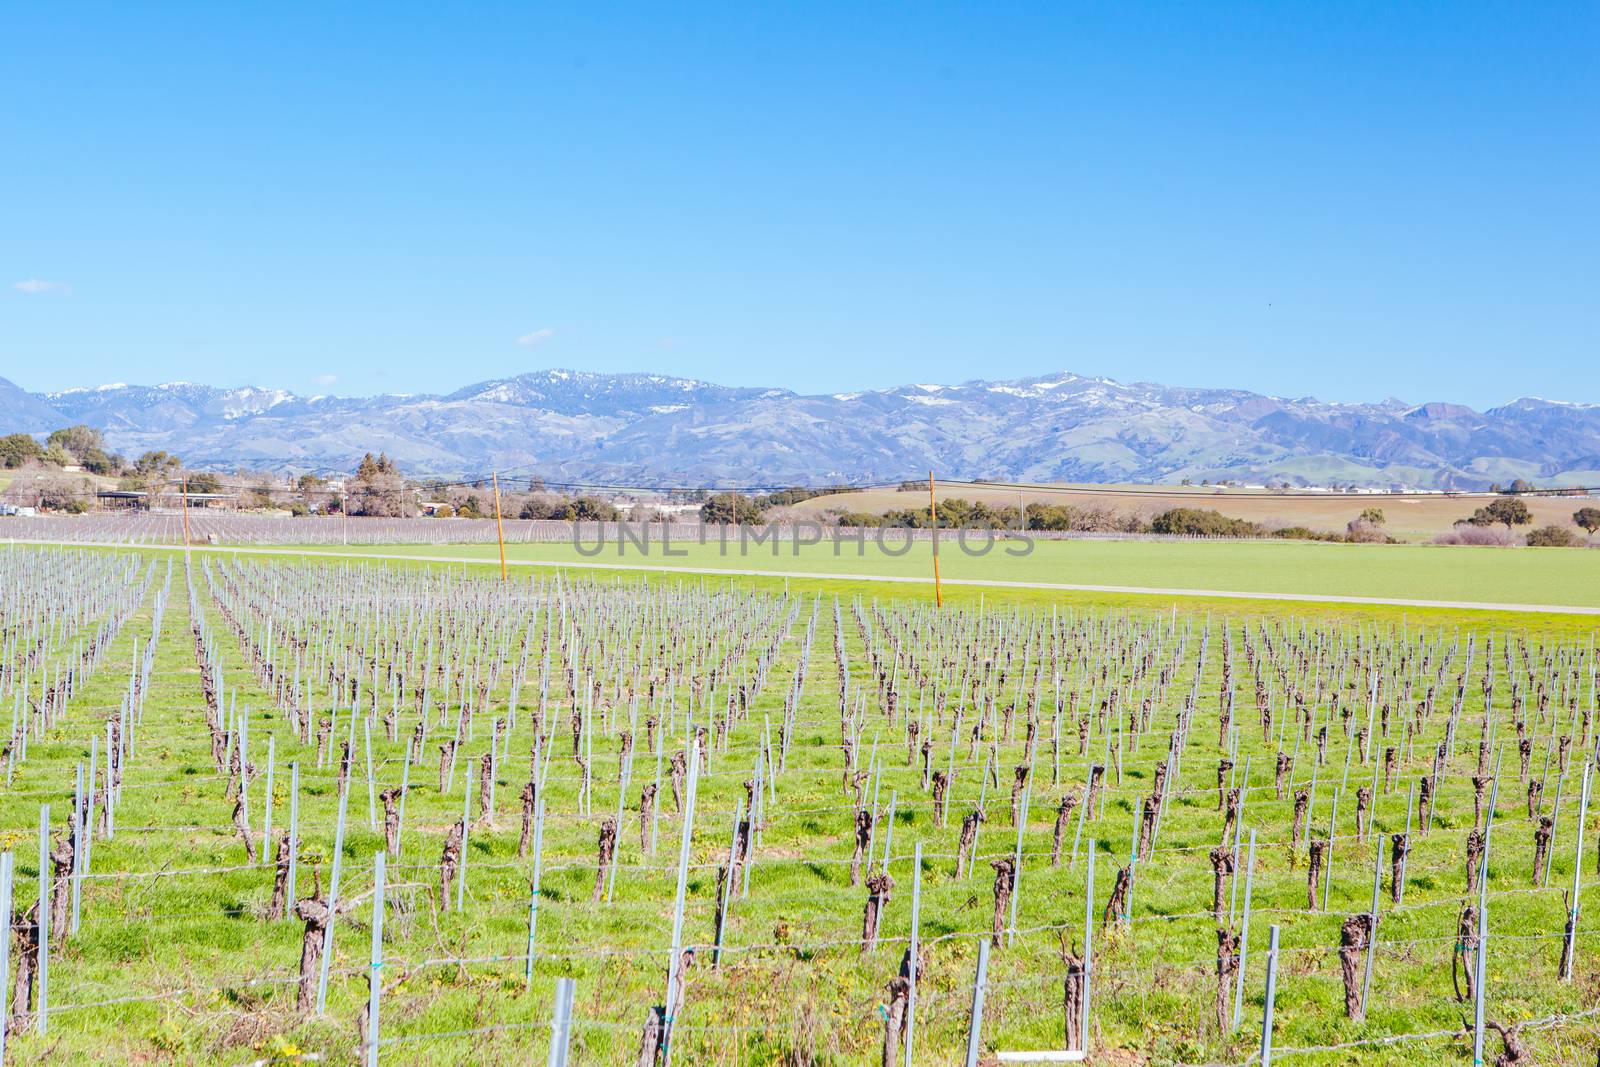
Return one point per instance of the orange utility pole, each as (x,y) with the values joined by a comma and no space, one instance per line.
(186,511)
(499,526)
(933,512)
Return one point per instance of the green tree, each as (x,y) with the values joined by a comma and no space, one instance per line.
(77,440)
(204,482)
(1373,516)
(589,509)
(1509,510)
(17,448)
(727,509)
(379,489)
(1588,519)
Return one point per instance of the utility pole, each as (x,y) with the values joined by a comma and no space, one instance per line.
(500,528)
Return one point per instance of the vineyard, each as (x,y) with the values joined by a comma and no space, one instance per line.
(271,810)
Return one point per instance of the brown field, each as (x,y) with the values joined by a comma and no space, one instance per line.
(1409,517)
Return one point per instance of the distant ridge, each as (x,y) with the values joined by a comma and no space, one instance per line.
(651,428)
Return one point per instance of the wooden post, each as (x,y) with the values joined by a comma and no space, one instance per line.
(933,514)
(975,1020)
(375,973)
(499,527)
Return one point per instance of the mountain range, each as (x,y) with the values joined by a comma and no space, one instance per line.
(647,429)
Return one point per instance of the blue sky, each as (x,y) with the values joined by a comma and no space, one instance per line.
(1343,200)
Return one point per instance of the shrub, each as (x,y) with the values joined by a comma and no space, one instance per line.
(1203,522)
(1553,537)
(728,509)
(1362,532)
(1304,533)
(1466,534)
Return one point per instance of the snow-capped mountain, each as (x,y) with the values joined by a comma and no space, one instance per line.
(656,429)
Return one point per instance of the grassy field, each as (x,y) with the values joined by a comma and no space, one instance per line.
(1478,575)
(1410,518)
(174,961)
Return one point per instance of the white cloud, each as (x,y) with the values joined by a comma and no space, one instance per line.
(324,379)
(537,337)
(39,285)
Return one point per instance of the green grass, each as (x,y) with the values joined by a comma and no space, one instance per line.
(202,935)
(1565,577)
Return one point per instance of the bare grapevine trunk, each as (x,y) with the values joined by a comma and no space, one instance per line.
(486,789)
(863,836)
(606,850)
(450,861)
(391,820)
(1221,867)
(1464,957)
(1020,781)
(1398,847)
(1352,945)
(1116,910)
(1318,849)
(1005,882)
(25,948)
(1072,1001)
(969,834)
(1227,969)
(679,767)
(879,887)
(280,880)
(312,911)
(1063,817)
(647,810)
(243,830)
(1541,846)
